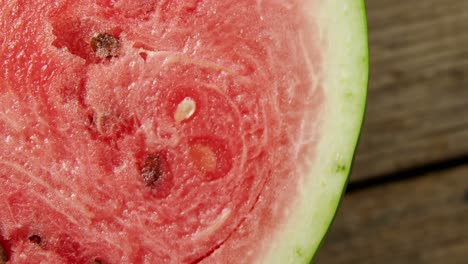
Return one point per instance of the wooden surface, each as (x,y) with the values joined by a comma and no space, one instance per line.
(422,220)
(417,110)
(407,201)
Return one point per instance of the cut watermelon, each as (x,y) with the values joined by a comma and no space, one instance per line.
(164,131)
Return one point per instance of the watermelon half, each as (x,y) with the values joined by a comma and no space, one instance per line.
(166,131)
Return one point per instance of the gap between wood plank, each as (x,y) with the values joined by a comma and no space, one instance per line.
(407,174)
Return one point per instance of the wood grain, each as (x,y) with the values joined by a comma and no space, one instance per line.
(418,92)
(421,220)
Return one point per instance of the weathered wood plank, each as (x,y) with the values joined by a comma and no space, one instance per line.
(418,96)
(421,220)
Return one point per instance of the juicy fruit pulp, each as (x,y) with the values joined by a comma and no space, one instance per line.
(153,131)
(176,131)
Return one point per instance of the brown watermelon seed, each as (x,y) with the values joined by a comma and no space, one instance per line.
(105,45)
(35,239)
(96,262)
(152,170)
(3,255)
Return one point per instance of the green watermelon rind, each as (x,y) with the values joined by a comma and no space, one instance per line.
(343,29)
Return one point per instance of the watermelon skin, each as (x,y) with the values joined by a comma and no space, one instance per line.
(251,223)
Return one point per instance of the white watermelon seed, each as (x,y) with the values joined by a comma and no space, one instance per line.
(185,109)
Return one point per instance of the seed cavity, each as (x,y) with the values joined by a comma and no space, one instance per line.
(153,169)
(105,45)
(35,239)
(185,109)
(203,157)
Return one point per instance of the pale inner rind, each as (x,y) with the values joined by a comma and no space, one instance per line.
(343,32)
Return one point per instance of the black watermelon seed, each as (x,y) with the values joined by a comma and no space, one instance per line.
(152,170)
(105,45)
(35,239)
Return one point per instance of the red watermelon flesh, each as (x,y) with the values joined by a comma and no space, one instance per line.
(152,131)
